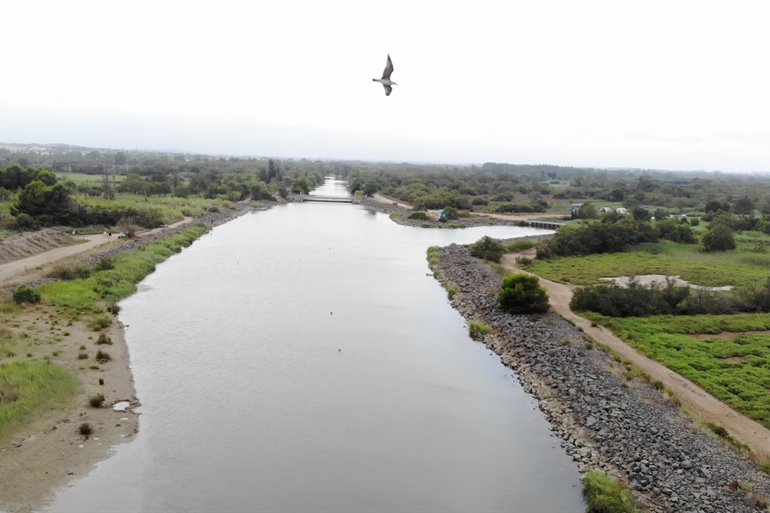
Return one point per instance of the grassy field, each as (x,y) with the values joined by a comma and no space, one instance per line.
(736,372)
(738,267)
(172,209)
(84,179)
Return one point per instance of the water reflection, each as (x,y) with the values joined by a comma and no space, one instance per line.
(300,359)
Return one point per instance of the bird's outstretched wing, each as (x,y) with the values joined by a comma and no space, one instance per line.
(388,69)
(388,89)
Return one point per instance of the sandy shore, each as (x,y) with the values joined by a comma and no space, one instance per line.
(47,454)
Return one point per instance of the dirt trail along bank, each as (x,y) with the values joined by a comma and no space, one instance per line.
(703,404)
(606,418)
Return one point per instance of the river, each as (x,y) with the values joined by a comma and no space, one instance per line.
(300,359)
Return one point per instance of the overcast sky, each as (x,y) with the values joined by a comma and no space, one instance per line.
(662,85)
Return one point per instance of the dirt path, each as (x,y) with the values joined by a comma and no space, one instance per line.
(384,199)
(517,217)
(10,269)
(700,402)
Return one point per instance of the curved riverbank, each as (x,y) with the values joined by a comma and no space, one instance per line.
(606,418)
(49,452)
(400,215)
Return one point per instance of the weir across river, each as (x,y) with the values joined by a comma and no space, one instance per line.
(327,199)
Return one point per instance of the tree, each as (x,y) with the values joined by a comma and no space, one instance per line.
(300,186)
(522,294)
(487,248)
(640,214)
(719,238)
(120,158)
(744,206)
(370,187)
(48,205)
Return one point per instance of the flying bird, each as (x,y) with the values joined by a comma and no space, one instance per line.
(385,80)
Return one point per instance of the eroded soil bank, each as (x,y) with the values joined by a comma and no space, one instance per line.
(606,418)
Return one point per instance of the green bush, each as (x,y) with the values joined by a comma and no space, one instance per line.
(25,294)
(103,339)
(636,300)
(420,216)
(96,400)
(606,495)
(488,249)
(85,429)
(719,238)
(522,294)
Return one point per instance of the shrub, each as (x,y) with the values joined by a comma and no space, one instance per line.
(99,322)
(102,356)
(719,238)
(478,329)
(636,300)
(606,495)
(487,248)
(96,400)
(85,429)
(71,272)
(103,339)
(105,264)
(82,356)
(25,294)
(420,216)
(113,309)
(522,294)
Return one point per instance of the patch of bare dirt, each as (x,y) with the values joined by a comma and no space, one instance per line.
(733,359)
(727,335)
(23,245)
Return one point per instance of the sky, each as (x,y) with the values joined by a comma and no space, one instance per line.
(677,85)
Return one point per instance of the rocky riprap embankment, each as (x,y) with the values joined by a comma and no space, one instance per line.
(389,208)
(606,419)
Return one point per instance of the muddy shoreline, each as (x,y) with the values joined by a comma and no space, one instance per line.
(49,453)
(606,419)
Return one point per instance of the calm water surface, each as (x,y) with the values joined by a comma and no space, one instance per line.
(300,359)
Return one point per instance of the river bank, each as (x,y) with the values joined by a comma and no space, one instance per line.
(49,452)
(606,419)
(400,215)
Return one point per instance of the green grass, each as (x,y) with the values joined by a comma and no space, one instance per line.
(604,494)
(84,179)
(736,268)
(742,383)
(129,268)
(478,329)
(434,255)
(28,387)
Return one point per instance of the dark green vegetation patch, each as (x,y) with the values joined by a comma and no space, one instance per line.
(736,372)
